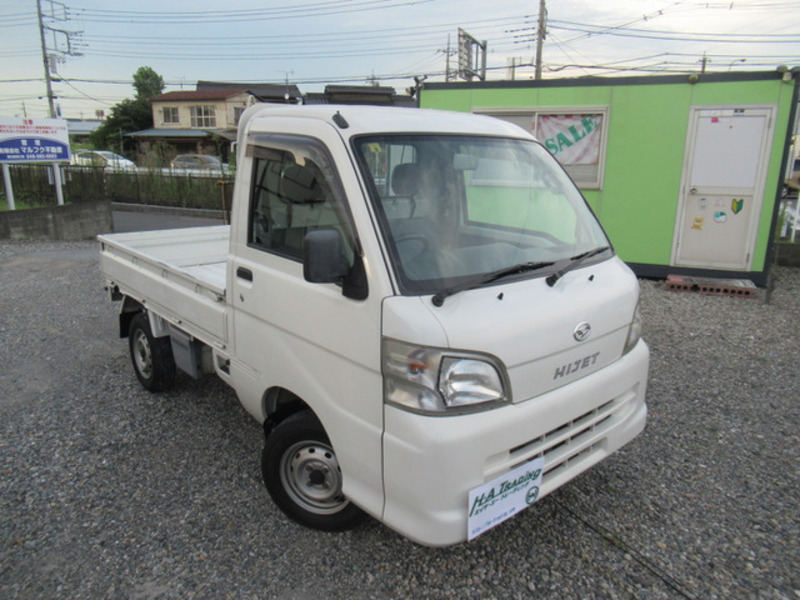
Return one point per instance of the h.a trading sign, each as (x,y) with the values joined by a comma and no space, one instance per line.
(33,140)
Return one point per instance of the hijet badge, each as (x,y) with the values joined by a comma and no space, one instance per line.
(492,503)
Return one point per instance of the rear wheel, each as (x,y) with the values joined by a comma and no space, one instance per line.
(303,476)
(151,357)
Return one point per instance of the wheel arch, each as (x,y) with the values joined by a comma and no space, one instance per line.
(278,404)
(129,309)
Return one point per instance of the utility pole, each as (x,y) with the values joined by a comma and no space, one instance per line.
(541,31)
(50,98)
(51,56)
(286,95)
(447,63)
(46,60)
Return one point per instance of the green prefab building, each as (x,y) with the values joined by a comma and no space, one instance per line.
(684,172)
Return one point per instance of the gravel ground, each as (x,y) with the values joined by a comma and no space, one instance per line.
(107,491)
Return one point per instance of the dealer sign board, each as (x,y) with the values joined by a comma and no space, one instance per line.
(33,140)
(492,503)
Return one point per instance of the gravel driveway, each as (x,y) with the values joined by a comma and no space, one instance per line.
(107,491)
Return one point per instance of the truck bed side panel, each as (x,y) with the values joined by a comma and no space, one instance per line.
(178,274)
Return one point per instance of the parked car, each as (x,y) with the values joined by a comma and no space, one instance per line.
(102,158)
(202,162)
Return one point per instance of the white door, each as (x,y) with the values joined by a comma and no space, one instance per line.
(307,338)
(722,187)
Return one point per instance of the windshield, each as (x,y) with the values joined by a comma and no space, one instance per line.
(457,208)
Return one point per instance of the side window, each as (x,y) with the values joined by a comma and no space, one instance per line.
(291,195)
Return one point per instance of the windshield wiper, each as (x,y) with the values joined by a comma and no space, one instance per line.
(575,262)
(439,297)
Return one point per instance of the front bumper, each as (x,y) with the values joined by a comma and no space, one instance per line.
(431,463)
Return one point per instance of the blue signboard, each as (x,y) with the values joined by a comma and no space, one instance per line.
(32,149)
(33,140)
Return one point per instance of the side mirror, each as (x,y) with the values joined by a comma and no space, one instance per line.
(324,262)
(323,259)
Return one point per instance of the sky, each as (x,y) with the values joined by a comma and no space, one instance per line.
(99,44)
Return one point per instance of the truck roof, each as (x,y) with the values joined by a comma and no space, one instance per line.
(360,120)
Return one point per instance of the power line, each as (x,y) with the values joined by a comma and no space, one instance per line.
(289,54)
(497,25)
(682,36)
(418,45)
(319,9)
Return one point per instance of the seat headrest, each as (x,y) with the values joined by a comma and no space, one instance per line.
(405,179)
(299,186)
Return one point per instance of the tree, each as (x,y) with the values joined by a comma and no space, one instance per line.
(130,114)
(148,83)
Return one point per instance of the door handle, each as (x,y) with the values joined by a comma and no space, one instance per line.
(245,274)
(693,191)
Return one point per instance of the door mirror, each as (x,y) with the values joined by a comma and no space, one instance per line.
(323,257)
(324,262)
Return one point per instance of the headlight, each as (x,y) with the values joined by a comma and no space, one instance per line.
(634,330)
(431,380)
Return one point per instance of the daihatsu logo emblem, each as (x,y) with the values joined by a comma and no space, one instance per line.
(582,332)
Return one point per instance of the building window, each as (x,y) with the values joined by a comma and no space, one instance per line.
(577,137)
(237,113)
(203,116)
(170,114)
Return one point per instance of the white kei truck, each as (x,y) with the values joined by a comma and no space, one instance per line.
(418,305)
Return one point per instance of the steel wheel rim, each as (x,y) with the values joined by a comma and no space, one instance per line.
(311,476)
(142,354)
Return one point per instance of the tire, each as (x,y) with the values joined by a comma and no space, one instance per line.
(151,357)
(303,477)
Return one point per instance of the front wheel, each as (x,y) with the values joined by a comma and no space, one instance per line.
(303,476)
(151,356)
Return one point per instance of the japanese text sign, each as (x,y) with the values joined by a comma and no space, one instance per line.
(33,140)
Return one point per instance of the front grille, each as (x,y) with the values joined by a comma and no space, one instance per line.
(568,444)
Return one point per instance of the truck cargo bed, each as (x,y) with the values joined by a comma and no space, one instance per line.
(177,273)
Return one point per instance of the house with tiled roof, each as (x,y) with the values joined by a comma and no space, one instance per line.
(195,121)
(213,110)
(204,120)
(263,92)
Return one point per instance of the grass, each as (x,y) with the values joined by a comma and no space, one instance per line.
(23,203)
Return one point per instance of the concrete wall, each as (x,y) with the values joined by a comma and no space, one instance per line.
(69,222)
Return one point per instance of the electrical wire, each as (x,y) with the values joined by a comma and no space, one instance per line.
(420,45)
(297,11)
(684,36)
(763,36)
(486,25)
(85,95)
